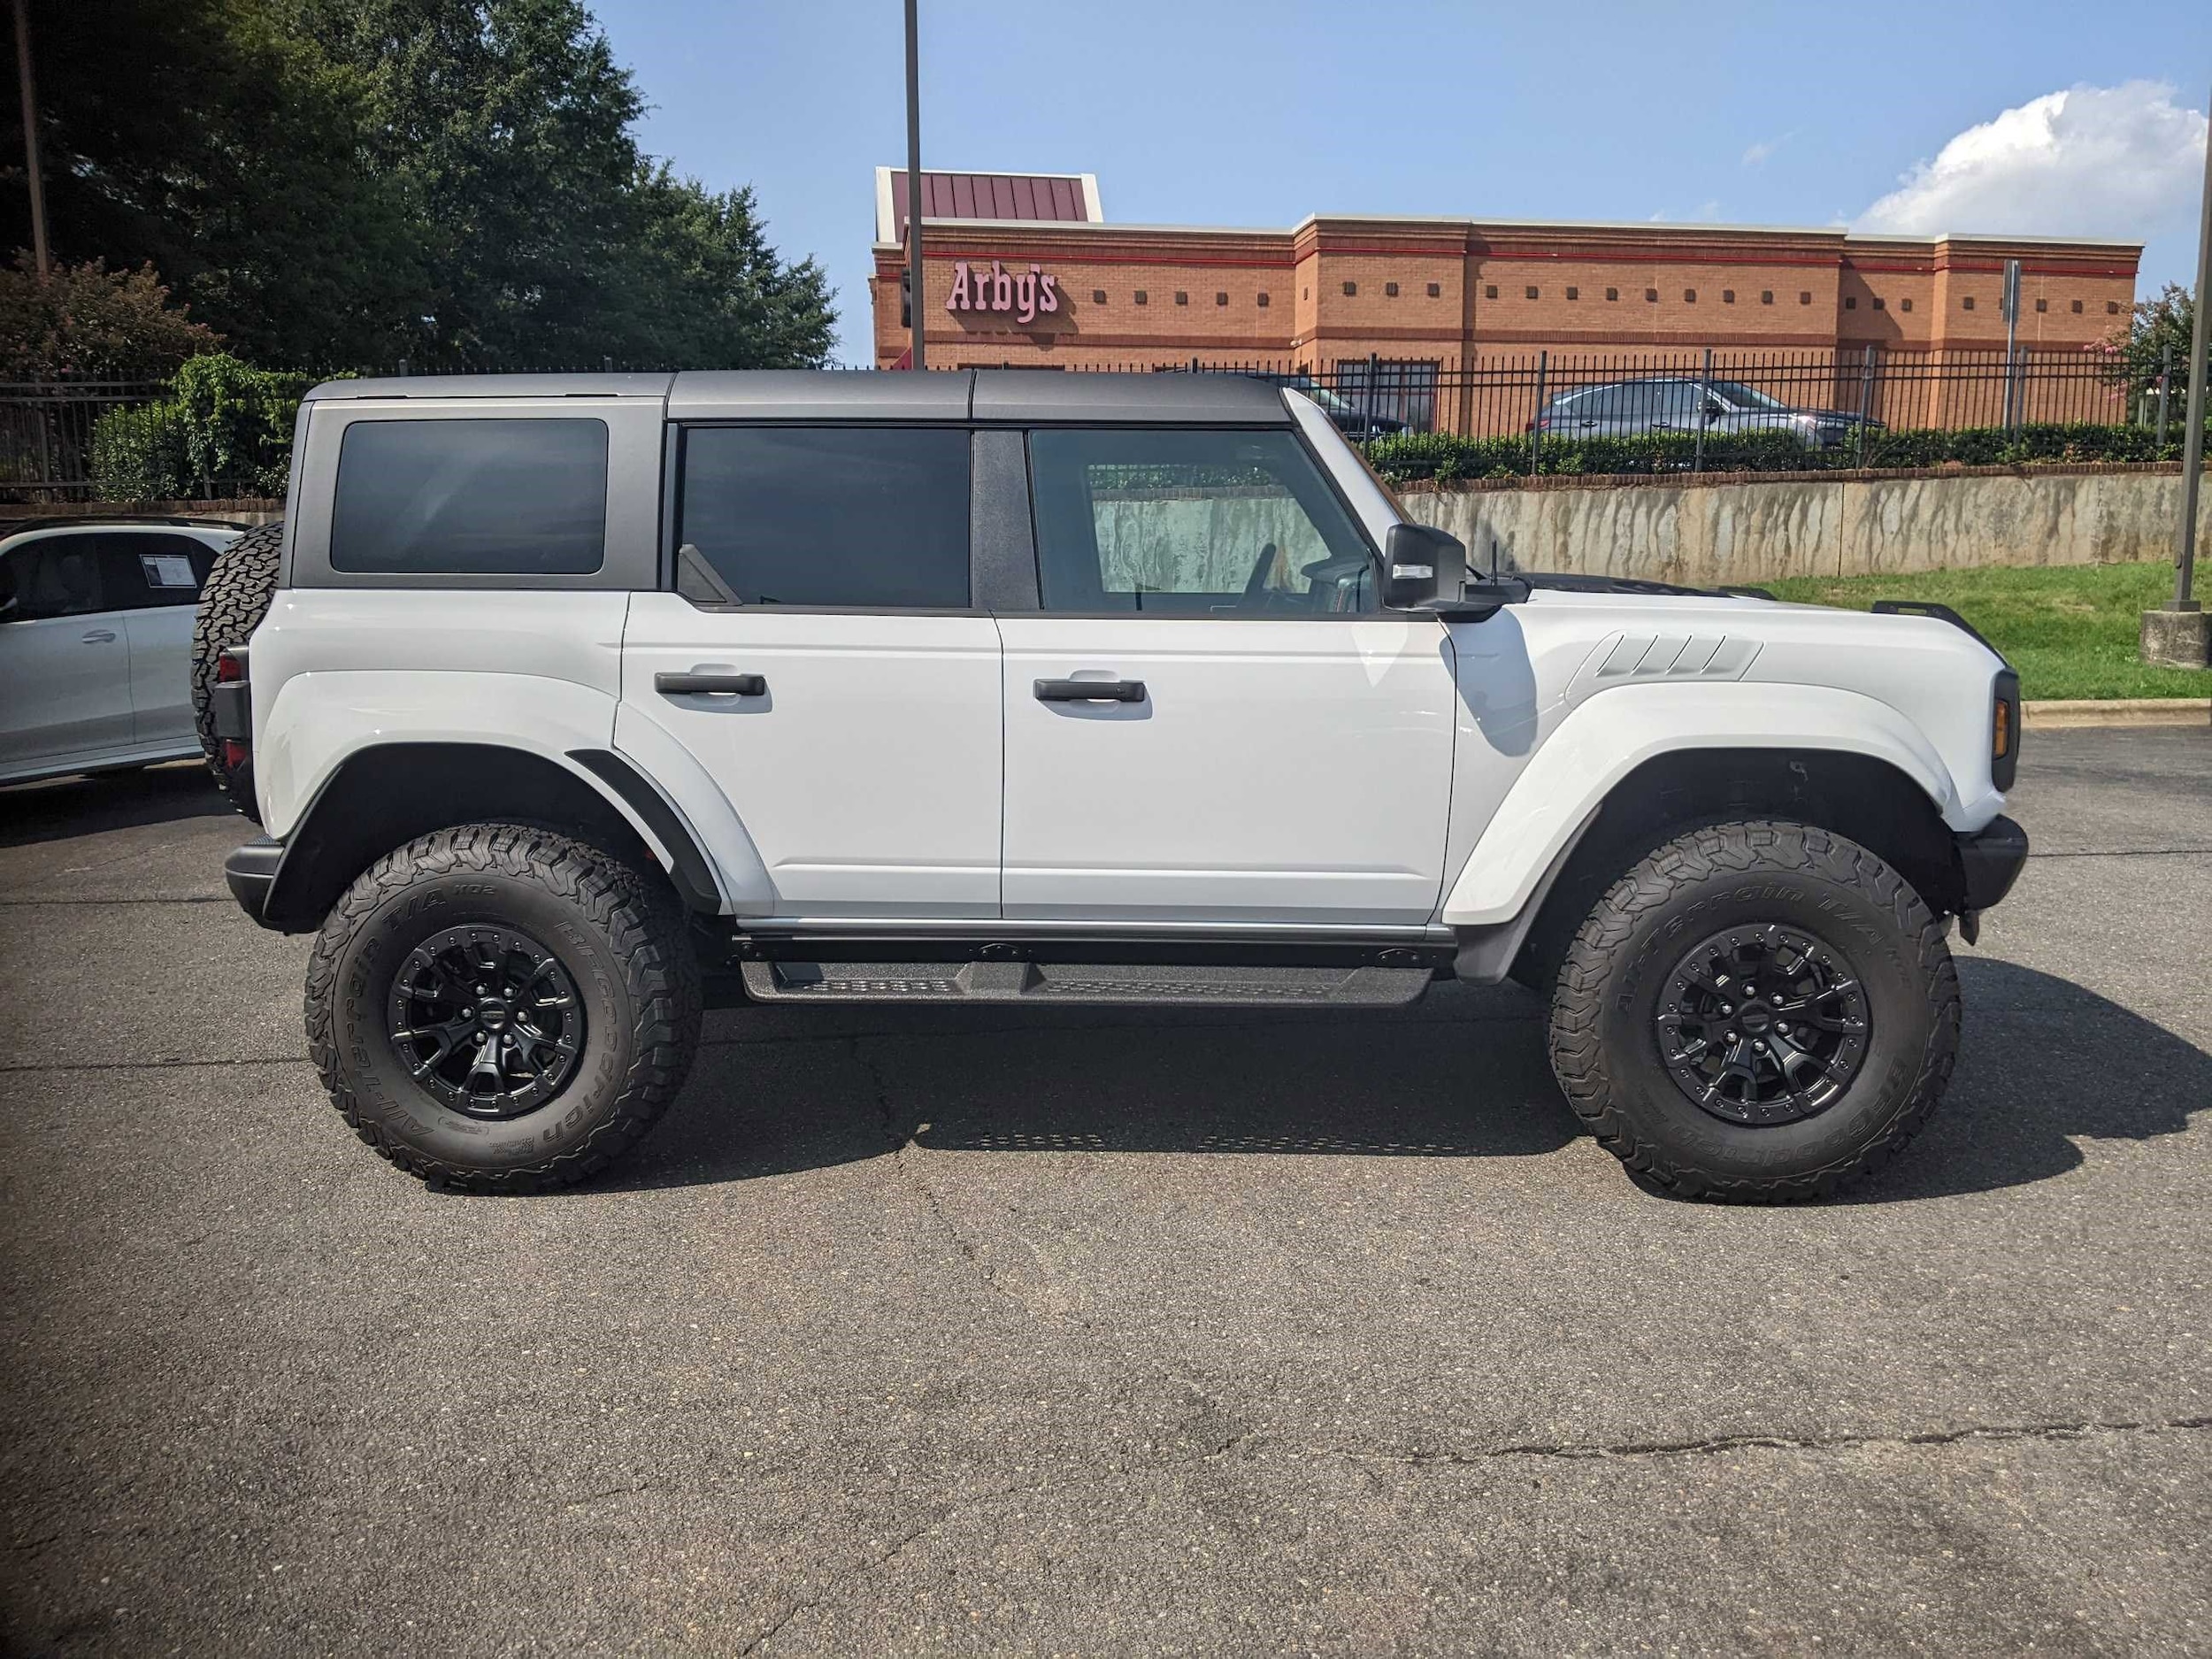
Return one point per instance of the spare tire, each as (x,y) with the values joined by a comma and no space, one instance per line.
(233,600)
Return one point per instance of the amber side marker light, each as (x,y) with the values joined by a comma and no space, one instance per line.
(2004,729)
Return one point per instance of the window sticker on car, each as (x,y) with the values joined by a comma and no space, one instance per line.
(166,570)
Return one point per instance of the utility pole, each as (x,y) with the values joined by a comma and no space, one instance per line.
(30,138)
(2180,635)
(913,182)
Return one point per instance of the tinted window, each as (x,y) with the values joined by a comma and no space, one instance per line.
(1199,523)
(1603,403)
(142,571)
(54,576)
(476,496)
(868,516)
(1639,400)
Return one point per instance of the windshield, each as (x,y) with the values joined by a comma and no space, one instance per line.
(1747,397)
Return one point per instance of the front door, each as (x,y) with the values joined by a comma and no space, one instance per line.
(1211,721)
(64,662)
(821,660)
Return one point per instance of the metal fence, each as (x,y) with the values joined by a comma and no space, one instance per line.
(1500,393)
(46,427)
(46,432)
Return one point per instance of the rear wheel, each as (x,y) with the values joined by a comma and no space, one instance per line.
(233,600)
(1759,1011)
(500,1008)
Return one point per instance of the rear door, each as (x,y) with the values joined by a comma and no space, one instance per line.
(823,659)
(153,580)
(1211,721)
(64,664)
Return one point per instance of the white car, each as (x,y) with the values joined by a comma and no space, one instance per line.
(96,644)
(993,687)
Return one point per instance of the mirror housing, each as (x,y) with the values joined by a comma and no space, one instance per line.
(1435,582)
(1422,567)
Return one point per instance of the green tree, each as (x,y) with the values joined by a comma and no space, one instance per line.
(202,137)
(2159,328)
(344,183)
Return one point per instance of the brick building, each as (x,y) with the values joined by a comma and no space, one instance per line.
(1446,292)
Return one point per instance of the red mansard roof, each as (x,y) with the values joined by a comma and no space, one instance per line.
(1065,197)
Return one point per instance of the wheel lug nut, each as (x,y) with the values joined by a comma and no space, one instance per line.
(1725,1008)
(1728,1036)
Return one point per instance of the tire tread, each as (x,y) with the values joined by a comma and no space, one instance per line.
(1697,855)
(639,919)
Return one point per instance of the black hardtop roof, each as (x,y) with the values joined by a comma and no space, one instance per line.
(958,395)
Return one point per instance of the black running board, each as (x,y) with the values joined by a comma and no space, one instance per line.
(1112,983)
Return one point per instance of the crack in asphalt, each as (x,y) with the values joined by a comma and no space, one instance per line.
(901,1144)
(847,1579)
(1720,1443)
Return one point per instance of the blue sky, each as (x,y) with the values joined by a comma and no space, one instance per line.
(1913,116)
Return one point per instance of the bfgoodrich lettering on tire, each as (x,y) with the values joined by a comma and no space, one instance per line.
(1759,1011)
(501,1008)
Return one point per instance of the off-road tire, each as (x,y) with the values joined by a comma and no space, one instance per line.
(1607,1058)
(619,936)
(233,600)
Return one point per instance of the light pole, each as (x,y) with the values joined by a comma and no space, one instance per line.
(30,138)
(913,185)
(2180,635)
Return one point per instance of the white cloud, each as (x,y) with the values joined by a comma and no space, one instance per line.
(1757,154)
(2123,161)
(1706,212)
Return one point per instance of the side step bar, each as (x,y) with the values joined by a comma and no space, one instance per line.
(1119,984)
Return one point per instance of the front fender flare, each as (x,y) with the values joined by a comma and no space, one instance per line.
(1614,732)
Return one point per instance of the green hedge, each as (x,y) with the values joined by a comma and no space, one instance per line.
(1439,456)
(225,430)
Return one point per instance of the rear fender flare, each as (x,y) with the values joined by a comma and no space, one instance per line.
(318,722)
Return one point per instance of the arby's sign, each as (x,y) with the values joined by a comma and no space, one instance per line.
(1024,293)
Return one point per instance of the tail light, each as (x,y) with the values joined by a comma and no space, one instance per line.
(232,706)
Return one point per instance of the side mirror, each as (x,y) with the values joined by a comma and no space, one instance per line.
(1422,567)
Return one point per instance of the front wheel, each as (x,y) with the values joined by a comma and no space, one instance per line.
(502,1009)
(1758,1012)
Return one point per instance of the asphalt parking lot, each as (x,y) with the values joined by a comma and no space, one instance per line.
(1111,1333)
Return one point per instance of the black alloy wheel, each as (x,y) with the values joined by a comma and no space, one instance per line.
(486,1020)
(1763,1025)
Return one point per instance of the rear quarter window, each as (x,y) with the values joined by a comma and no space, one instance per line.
(471,497)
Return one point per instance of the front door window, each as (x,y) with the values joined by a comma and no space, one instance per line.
(1206,523)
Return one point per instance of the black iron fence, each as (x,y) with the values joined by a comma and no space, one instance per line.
(1502,393)
(46,427)
(46,432)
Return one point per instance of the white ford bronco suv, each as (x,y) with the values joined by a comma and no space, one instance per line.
(556,694)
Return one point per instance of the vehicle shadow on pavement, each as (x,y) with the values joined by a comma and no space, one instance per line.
(777,1091)
(63,809)
(2045,1063)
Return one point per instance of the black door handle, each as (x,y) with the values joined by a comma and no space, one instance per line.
(1090,691)
(712,685)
